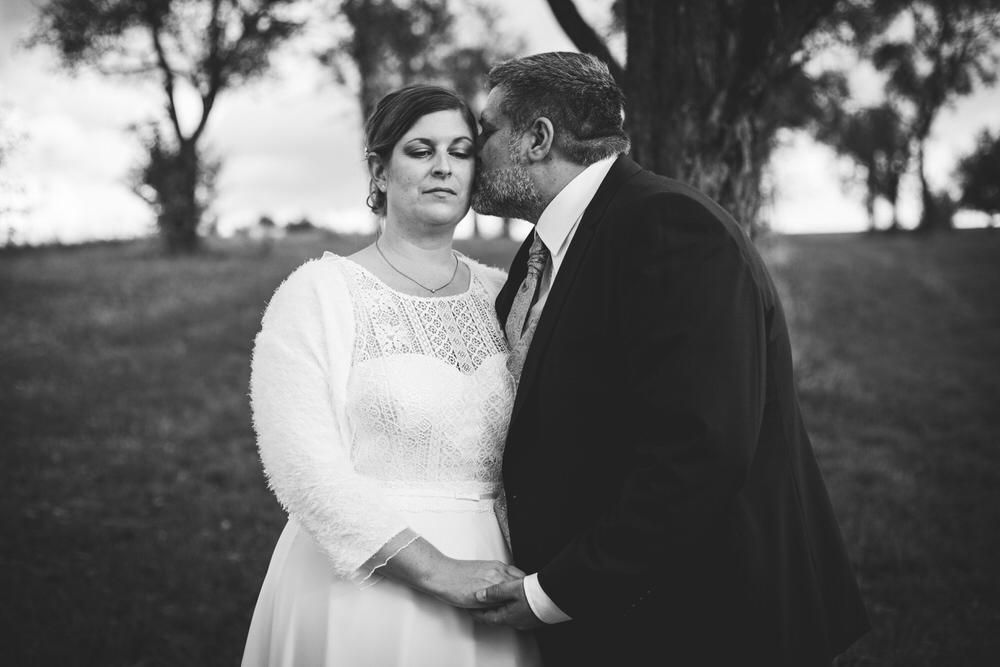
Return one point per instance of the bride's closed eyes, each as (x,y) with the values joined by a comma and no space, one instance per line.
(420,149)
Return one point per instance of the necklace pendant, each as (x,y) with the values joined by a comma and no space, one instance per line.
(431,290)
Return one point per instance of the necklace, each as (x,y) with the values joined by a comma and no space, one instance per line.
(429,289)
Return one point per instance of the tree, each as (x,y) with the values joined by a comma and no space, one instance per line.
(932,52)
(979,176)
(877,140)
(206,46)
(395,43)
(707,82)
(391,44)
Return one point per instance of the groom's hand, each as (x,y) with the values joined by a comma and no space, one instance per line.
(506,605)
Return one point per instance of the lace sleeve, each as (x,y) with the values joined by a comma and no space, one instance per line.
(301,356)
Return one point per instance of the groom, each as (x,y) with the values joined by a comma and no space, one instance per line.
(660,483)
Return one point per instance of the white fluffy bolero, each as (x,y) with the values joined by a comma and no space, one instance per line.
(359,391)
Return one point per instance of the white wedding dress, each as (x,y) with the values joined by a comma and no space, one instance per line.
(380,416)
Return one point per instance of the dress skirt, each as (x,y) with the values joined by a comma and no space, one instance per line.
(306,616)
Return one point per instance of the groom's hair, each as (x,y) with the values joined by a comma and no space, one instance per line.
(573,90)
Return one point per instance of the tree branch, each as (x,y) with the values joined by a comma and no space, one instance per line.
(168,80)
(137,70)
(584,36)
(214,67)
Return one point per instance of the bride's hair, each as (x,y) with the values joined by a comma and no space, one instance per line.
(393,117)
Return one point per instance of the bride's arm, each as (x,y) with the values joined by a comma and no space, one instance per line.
(298,380)
(297,383)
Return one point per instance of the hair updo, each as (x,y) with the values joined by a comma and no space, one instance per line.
(393,117)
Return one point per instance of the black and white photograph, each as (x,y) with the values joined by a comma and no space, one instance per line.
(500,333)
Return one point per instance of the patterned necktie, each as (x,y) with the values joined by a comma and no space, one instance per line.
(518,335)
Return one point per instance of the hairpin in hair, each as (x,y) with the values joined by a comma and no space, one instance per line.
(367,153)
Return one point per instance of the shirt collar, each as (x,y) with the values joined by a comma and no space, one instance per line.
(565,210)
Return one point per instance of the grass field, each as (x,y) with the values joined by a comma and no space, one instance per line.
(136,527)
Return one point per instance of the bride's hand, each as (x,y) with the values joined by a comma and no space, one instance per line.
(421,566)
(457,581)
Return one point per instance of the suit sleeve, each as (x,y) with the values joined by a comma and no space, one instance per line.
(692,344)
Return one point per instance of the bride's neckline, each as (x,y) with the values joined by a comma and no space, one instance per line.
(467,291)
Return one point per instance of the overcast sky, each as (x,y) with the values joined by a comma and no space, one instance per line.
(292,145)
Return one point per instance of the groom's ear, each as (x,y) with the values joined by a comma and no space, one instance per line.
(539,138)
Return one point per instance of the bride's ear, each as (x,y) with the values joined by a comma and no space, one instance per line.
(539,137)
(377,171)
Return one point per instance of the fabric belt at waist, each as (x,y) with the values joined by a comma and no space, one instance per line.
(441,493)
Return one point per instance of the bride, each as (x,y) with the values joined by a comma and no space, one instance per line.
(380,400)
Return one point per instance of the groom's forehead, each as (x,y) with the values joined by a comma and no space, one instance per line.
(491,110)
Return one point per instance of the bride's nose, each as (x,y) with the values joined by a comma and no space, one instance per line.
(442,166)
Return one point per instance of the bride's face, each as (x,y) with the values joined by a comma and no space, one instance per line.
(428,180)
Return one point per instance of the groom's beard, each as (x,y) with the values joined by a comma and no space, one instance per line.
(507,192)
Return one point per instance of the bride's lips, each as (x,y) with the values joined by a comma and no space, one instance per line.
(435,190)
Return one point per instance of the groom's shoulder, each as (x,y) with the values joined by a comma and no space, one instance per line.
(648,201)
(650,184)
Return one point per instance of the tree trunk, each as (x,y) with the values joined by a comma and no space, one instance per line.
(180,210)
(870,207)
(927,215)
(934,216)
(678,117)
(895,226)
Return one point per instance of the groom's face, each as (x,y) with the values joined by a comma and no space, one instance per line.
(503,185)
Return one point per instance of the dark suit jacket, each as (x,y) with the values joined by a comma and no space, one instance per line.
(658,474)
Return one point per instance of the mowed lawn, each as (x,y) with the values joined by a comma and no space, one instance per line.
(136,525)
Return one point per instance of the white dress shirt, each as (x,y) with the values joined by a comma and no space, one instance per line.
(556,227)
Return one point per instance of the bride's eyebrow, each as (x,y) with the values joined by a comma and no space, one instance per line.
(430,142)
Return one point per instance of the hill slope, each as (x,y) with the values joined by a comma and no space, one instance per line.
(137,527)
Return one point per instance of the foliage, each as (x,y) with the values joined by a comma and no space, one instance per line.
(199,46)
(932,52)
(395,43)
(303,225)
(979,176)
(160,180)
(709,84)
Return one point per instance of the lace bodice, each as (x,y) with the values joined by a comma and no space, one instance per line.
(368,402)
(429,395)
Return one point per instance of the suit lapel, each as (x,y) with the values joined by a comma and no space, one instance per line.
(623,169)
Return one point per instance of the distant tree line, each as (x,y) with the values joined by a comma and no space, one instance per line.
(710,83)
(979,177)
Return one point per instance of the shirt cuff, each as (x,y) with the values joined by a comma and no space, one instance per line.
(541,604)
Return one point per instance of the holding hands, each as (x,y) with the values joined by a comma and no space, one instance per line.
(505,604)
(492,591)
(461,582)
(457,582)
